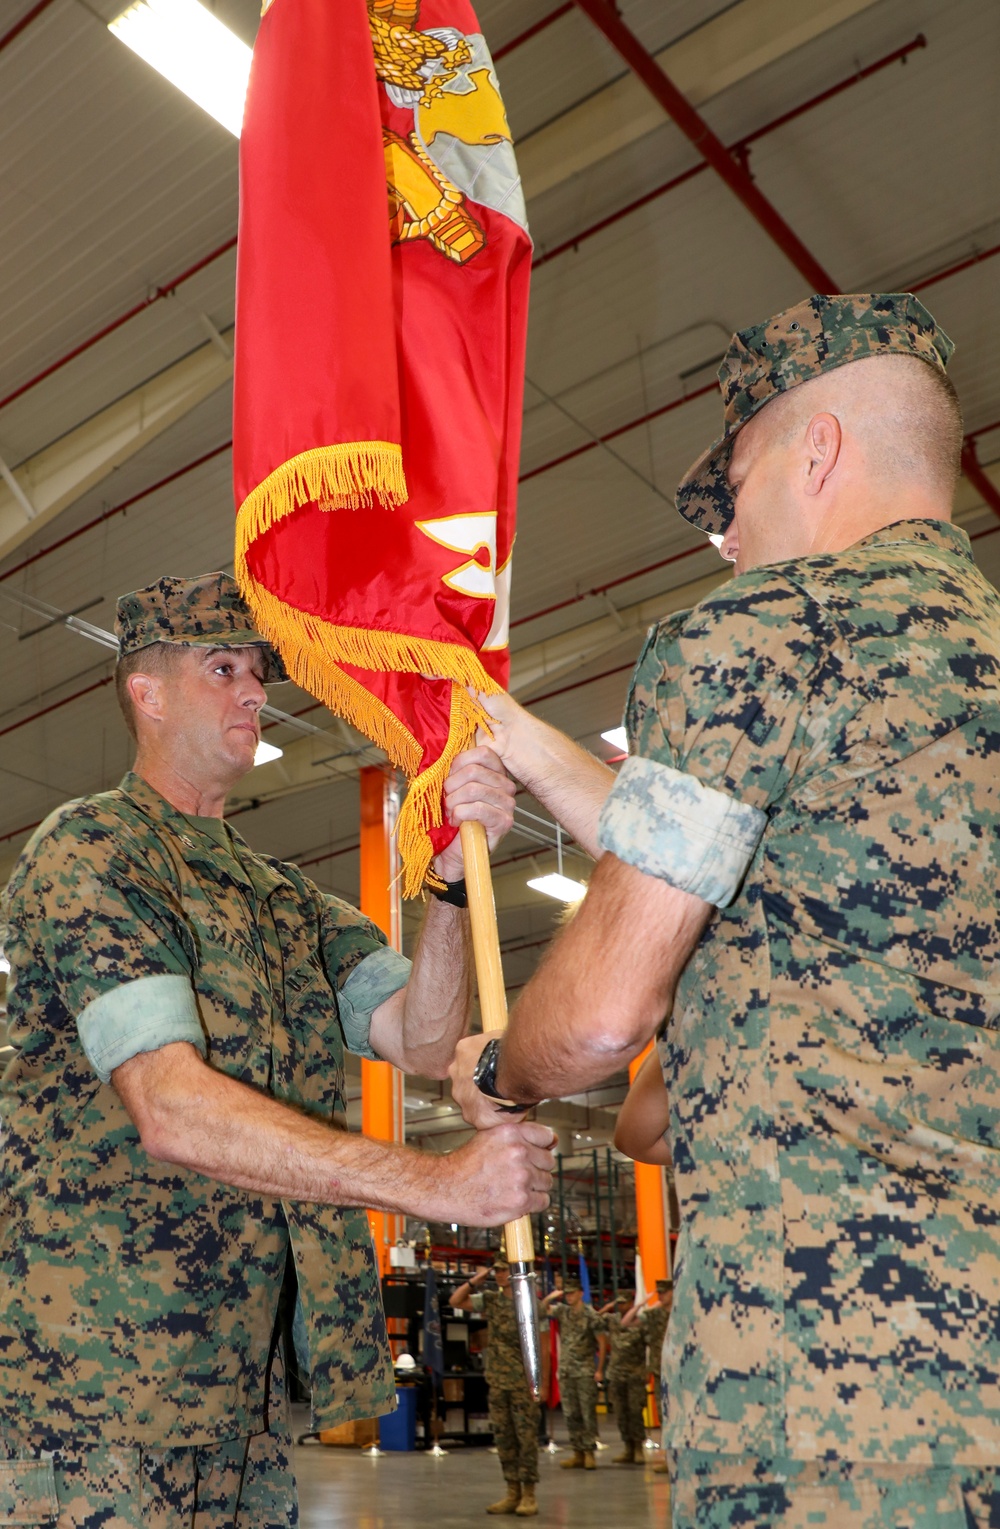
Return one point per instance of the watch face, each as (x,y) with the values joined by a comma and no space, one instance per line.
(486,1067)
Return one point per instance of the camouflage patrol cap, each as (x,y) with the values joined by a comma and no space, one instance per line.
(815,336)
(501,1261)
(569,1285)
(203,612)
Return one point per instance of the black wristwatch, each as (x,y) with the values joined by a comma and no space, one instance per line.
(452,892)
(485,1079)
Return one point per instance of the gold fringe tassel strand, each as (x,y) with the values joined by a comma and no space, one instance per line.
(314,649)
(421,810)
(299,639)
(348,476)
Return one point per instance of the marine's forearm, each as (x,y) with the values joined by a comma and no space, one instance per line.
(571,783)
(418,1028)
(189,1113)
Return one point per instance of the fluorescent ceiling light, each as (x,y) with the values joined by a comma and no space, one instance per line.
(266,752)
(193,50)
(617,738)
(4,964)
(561,887)
(716,538)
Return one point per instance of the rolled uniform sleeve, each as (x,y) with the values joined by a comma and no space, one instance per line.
(102,917)
(714,720)
(364,968)
(139,1016)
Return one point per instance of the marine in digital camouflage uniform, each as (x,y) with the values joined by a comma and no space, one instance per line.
(811,800)
(579,1330)
(140,1382)
(625,1379)
(513,1410)
(652,1321)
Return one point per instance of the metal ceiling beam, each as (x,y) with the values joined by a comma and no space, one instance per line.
(727,49)
(695,128)
(57,476)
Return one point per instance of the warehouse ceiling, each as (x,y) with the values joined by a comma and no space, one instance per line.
(870,125)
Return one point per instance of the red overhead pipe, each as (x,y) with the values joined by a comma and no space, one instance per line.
(605,674)
(643,419)
(625,578)
(97,685)
(147,302)
(26,20)
(980,482)
(532,31)
(331,854)
(973,435)
(953,270)
(694,127)
(740,148)
(26,828)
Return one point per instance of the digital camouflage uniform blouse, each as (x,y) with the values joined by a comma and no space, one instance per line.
(817,753)
(138,1299)
(578,1329)
(628,1347)
(652,1323)
(504,1365)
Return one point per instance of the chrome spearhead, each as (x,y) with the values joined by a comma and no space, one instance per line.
(525,1294)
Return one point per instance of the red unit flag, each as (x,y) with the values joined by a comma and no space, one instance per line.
(381,312)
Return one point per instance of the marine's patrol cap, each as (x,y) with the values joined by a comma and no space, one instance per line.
(814,337)
(500,1261)
(569,1285)
(204,612)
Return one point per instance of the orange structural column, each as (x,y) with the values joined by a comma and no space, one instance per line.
(381,1083)
(650,1209)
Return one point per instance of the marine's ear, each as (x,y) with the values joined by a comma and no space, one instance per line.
(146,694)
(824,438)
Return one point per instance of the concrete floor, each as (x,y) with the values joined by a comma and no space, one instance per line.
(345,1489)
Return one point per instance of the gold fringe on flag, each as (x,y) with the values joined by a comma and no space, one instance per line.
(344,477)
(314,649)
(421,811)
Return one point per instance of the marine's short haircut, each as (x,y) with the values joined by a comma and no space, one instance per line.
(157,658)
(914,431)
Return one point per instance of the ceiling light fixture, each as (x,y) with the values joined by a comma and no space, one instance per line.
(559,886)
(193,50)
(266,752)
(617,738)
(555,884)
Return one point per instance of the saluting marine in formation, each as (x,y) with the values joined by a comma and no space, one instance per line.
(626,1379)
(579,1334)
(514,1412)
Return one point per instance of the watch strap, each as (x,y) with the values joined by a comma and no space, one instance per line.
(453,892)
(484,1078)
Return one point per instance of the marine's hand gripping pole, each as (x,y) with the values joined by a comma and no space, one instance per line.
(493,1005)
